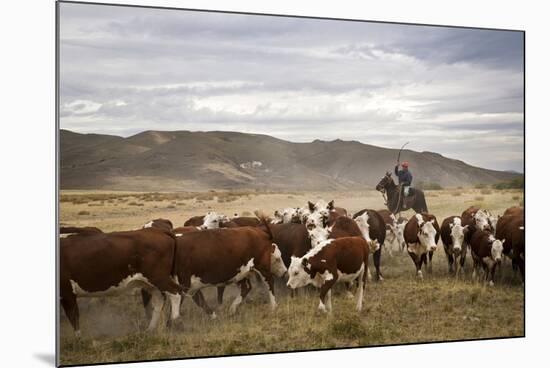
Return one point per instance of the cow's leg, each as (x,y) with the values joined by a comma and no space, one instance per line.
(323,293)
(175,301)
(221,290)
(360,291)
(329,301)
(417,263)
(492,274)
(146,299)
(199,300)
(157,302)
(70,306)
(267,280)
(450,262)
(429,263)
(376,260)
(245,289)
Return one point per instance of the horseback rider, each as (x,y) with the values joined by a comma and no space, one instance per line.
(405,178)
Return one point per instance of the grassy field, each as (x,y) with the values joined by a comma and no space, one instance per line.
(400,309)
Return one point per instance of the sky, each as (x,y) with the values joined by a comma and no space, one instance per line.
(455,91)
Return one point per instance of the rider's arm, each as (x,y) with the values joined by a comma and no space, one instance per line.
(396,167)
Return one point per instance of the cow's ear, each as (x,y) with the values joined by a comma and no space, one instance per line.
(503,240)
(311,206)
(451,225)
(465,230)
(331,205)
(273,246)
(305,262)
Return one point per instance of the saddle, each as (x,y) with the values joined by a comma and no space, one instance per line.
(407,201)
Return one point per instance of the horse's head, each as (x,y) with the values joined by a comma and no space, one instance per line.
(384,182)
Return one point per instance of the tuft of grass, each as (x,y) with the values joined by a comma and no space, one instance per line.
(83,213)
(479,198)
(347,326)
(486,191)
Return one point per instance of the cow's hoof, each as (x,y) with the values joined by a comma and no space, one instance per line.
(420,276)
(380,278)
(213,315)
(77,334)
(322,308)
(491,283)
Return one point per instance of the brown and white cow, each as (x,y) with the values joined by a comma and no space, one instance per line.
(105,264)
(194,221)
(453,238)
(373,229)
(421,236)
(246,221)
(481,218)
(286,216)
(159,223)
(332,261)
(511,230)
(220,257)
(486,252)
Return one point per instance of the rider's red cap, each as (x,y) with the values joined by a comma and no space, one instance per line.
(405,164)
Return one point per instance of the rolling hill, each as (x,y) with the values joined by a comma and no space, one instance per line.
(184,160)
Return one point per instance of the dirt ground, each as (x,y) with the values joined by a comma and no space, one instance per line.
(400,309)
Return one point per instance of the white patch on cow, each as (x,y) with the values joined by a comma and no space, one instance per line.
(288,215)
(426,235)
(521,227)
(149,224)
(419,219)
(496,250)
(243,271)
(196,283)
(212,220)
(157,302)
(278,267)
(297,276)
(324,260)
(175,300)
(362,223)
(322,307)
(348,277)
(482,219)
(457,234)
(318,235)
(134,281)
(317,248)
(327,276)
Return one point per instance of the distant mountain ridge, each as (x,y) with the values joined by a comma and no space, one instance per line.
(184,160)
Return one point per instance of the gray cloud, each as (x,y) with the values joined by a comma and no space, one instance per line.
(449,90)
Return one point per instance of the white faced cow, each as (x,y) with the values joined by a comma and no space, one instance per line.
(421,236)
(213,220)
(332,261)
(486,252)
(453,235)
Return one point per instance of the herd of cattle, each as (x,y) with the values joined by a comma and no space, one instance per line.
(318,244)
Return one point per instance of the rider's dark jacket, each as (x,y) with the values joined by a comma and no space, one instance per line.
(405,176)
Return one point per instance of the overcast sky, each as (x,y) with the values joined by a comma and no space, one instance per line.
(458,92)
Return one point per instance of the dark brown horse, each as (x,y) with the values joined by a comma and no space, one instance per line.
(394,200)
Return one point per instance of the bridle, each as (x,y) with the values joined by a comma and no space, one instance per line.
(383,191)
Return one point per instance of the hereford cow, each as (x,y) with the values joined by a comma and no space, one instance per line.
(373,229)
(160,223)
(322,206)
(514,211)
(483,219)
(184,229)
(486,252)
(220,257)
(335,260)
(104,264)
(194,221)
(286,216)
(452,236)
(421,236)
(511,230)
(67,230)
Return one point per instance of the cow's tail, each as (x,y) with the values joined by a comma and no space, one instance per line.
(263,219)
(79,230)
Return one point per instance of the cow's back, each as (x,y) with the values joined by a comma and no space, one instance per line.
(342,227)
(246,221)
(387,216)
(194,221)
(98,261)
(292,240)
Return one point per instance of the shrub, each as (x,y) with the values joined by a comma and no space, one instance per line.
(456,193)
(517,183)
(424,185)
(515,198)
(480,186)
(349,327)
(83,213)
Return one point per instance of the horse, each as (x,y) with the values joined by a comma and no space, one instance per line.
(394,200)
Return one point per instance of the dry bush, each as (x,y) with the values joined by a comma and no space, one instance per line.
(515,198)
(456,193)
(135,204)
(170,206)
(83,213)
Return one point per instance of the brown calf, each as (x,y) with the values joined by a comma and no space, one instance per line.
(335,260)
(486,252)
